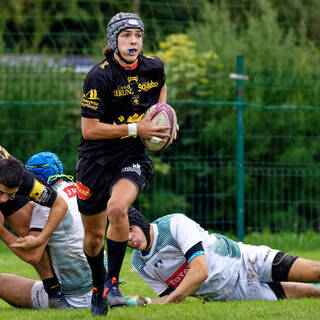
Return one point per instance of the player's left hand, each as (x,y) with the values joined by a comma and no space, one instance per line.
(28,242)
(137,301)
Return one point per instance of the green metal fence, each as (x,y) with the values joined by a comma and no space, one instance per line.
(245,161)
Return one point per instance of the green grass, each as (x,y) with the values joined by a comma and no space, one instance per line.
(192,309)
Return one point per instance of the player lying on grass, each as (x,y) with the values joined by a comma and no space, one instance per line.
(178,258)
(65,247)
(17,188)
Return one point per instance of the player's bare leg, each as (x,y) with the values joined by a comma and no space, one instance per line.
(305,270)
(302,273)
(295,290)
(16,290)
(123,194)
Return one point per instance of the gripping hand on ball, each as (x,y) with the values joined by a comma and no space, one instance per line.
(147,130)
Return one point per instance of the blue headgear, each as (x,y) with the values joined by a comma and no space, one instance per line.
(45,165)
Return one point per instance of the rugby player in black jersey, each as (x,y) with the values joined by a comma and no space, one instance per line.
(113,164)
(18,187)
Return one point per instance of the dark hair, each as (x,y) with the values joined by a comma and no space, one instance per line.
(12,172)
(107,52)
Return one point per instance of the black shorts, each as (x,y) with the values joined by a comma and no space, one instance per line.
(11,206)
(94,181)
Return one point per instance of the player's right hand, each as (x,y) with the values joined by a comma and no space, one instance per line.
(27,242)
(146,130)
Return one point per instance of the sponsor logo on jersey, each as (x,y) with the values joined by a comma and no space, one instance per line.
(83,192)
(157,262)
(90,99)
(71,191)
(4,154)
(146,86)
(178,276)
(123,91)
(129,90)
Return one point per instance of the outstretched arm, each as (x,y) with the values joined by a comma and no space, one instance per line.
(197,273)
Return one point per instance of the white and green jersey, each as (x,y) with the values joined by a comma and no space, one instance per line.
(66,244)
(166,265)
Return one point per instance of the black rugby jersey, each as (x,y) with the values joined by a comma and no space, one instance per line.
(116,96)
(32,188)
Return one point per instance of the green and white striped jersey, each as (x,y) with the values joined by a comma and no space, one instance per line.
(165,265)
(66,244)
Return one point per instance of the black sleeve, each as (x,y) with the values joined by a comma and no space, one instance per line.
(169,290)
(37,190)
(198,247)
(11,206)
(95,89)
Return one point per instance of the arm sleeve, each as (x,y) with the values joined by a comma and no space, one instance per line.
(37,190)
(39,217)
(194,251)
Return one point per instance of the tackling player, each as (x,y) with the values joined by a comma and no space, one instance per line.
(178,258)
(113,164)
(65,247)
(17,188)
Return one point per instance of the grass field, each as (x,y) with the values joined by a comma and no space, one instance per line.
(192,309)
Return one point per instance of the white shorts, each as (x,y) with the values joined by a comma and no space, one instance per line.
(40,300)
(255,272)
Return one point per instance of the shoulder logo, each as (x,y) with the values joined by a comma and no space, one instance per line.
(150,57)
(37,190)
(103,65)
(4,154)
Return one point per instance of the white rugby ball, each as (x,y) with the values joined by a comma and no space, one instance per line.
(164,116)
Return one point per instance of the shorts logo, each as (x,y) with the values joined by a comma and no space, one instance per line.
(37,190)
(83,192)
(134,168)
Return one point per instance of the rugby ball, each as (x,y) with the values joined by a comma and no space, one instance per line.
(164,116)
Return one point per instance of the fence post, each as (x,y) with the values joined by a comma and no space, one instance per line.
(240,150)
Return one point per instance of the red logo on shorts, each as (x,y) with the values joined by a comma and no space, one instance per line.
(83,192)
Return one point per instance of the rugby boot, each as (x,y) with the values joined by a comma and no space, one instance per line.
(58,301)
(99,302)
(113,294)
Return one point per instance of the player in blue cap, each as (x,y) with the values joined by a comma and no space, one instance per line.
(46,165)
